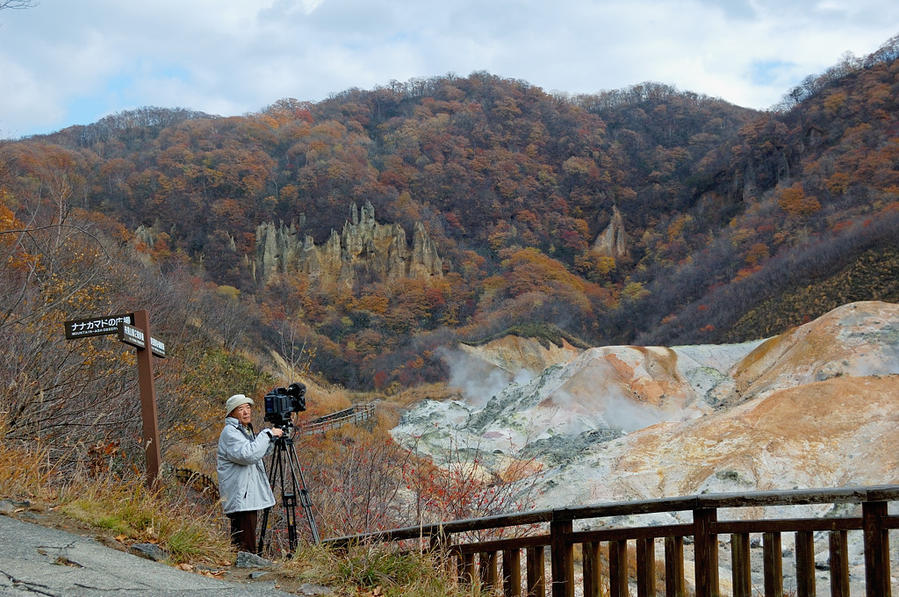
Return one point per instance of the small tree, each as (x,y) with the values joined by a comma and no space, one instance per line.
(463,487)
(355,478)
(796,203)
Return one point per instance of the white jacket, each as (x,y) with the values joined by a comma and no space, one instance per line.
(243,484)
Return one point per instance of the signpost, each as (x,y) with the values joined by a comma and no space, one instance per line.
(135,335)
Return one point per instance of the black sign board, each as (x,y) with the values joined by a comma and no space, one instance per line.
(157,348)
(136,337)
(96,326)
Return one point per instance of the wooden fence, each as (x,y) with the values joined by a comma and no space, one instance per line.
(354,414)
(874,524)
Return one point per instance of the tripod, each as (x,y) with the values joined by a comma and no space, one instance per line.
(293,486)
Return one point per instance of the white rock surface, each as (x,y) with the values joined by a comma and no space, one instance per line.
(817,406)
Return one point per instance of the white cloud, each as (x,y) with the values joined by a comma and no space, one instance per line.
(69,63)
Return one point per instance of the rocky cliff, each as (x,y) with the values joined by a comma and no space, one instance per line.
(363,249)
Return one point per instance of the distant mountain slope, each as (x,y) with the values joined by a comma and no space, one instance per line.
(729,223)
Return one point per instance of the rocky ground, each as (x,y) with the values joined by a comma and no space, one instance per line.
(249,575)
(817,406)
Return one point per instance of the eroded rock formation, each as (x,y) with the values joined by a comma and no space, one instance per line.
(612,241)
(363,248)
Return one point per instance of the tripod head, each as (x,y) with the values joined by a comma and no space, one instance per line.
(286,437)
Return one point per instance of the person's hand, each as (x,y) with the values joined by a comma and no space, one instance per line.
(276,432)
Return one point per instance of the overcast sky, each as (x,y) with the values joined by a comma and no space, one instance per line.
(65,62)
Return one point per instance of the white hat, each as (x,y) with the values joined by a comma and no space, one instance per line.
(235,401)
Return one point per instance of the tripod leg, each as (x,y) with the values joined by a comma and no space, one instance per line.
(289,502)
(275,467)
(261,545)
(299,483)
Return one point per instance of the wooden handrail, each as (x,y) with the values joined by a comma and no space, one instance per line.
(796,497)
(874,524)
(353,414)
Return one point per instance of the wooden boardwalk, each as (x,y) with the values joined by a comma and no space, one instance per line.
(354,414)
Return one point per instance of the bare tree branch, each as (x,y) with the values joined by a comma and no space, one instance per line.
(17,4)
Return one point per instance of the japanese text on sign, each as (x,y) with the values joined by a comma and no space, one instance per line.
(157,347)
(96,326)
(133,336)
(137,338)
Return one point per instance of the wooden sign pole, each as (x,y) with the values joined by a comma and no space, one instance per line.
(139,337)
(150,436)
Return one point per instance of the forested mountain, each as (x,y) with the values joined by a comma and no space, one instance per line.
(729,223)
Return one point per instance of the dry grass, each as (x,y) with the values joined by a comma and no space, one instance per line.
(126,509)
(377,569)
(133,513)
(25,473)
(193,533)
(415,394)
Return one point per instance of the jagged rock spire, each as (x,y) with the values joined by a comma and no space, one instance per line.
(379,250)
(612,241)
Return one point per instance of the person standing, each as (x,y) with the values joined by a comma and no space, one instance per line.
(243,485)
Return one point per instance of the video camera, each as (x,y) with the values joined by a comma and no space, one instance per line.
(280,403)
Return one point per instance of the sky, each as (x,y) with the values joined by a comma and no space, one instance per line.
(67,62)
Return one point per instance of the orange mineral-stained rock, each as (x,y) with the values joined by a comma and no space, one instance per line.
(817,406)
(852,340)
(841,431)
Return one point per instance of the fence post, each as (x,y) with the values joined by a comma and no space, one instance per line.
(536,572)
(674,566)
(805,564)
(591,563)
(487,565)
(618,568)
(877,550)
(705,552)
(773,565)
(839,564)
(562,557)
(740,565)
(466,568)
(646,567)
(512,572)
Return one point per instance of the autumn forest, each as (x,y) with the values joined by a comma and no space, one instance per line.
(642,215)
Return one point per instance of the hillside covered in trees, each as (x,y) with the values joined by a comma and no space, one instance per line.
(643,215)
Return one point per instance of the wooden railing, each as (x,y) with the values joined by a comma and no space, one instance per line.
(354,414)
(874,524)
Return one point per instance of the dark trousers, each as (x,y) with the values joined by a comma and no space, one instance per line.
(243,530)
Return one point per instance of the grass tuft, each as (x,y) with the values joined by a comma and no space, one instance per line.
(379,568)
(25,472)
